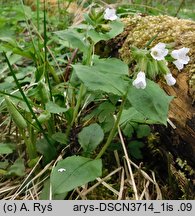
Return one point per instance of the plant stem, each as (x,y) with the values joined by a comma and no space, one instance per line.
(76,109)
(30,148)
(86,61)
(112,132)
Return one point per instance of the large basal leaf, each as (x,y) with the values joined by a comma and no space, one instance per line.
(90,137)
(74,38)
(116,28)
(131,115)
(152,102)
(73,172)
(111,66)
(105,75)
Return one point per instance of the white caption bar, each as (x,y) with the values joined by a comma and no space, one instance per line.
(98,207)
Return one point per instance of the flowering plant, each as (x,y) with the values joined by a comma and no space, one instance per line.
(94,101)
(154,62)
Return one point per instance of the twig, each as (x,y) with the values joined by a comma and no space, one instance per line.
(128,164)
(68,67)
(120,196)
(101,180)
(171,123)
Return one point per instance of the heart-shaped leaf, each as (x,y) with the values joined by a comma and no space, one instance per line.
(152,102)
(104,75)
(90,137)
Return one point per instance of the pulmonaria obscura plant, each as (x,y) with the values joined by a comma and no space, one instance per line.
(153,62)
(95,101)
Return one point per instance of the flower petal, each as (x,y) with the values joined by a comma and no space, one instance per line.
(174,54)
(184,50)
(181,56)
(110,14)
(178,64)
(140,81)
(159,52)
(160,45)
(170,79)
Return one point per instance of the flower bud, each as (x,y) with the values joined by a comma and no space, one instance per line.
(162,65)
(170,79)
(152,69)
(140,81)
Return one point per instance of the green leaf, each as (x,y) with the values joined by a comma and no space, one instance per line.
(152,102)
(105,75)
(111,66)
(77,172)
(128,130)
(47,149)
(13,59)
(108,123)
(45,193)
(105,115)
(90,137)
(44,116)
(4,164)
(143,131)
(7,148)
(105,110)
(9,40)
(135,149)
(3,172)
(17,168)
(60,137)
(74,38)
(131,115)
(116,28)
(54,108)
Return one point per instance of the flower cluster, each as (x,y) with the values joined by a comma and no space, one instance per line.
(157,65)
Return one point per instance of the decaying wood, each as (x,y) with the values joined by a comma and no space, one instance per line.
(180,33)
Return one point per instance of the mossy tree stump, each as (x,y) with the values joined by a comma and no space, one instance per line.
(180,33)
